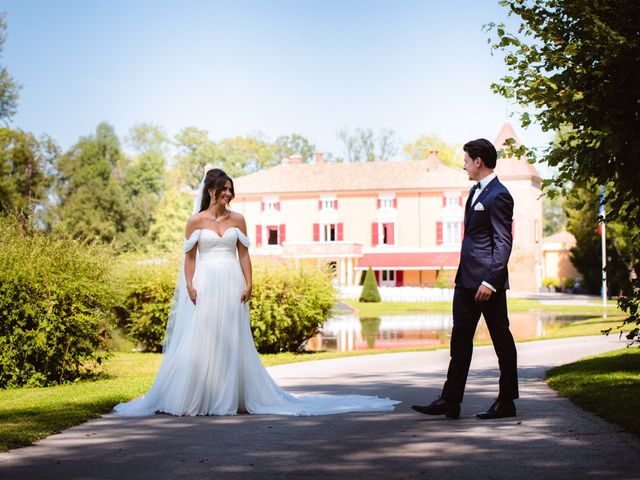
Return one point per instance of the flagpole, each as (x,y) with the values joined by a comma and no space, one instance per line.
(604,249)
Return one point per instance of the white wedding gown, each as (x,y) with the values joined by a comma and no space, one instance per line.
(212,367)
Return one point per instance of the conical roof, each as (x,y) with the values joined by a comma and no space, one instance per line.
(511,167)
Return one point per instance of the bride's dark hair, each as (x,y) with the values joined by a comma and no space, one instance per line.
(214,178)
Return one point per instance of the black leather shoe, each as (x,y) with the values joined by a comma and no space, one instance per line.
(439,407)
(499,409)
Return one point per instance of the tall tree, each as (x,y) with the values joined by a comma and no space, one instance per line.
(450,154)
(574,68)
(92,203)
(294,144)
(26,171)
(8,86)
(195,150)
(554,218)
(241,155)
(364,145)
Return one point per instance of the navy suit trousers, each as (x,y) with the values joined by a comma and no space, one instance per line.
(466,313)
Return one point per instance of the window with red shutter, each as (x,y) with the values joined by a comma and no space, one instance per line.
(399,278)
(438,233)
(258,235)
(282,236)
(316,232)
(374,234)
(340,232)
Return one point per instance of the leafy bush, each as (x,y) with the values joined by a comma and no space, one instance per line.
(289,304)
(551,282)
(145,291)
(370,291)
(569,283)
(54,307)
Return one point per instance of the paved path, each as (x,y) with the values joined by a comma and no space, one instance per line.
(550,439)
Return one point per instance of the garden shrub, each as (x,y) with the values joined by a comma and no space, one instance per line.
(145,291)
(54,307)
(370,291)
(289,304)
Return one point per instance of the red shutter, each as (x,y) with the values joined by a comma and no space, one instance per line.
(262,206)
(335,203)
(395,203)
(460,200)
(282,234)
(379,204)
(319,204)
(390,231)
(316,232)
(258,235)
(444,200)
(340,232)
(399,278)
(377,274)
(374,234)
(278,206)
(438,233)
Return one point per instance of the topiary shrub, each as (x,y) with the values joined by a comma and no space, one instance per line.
(55,302)
(370,291)
(145,290)
(289,304)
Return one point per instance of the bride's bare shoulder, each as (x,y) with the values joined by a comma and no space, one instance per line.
(238,221)
(193,224)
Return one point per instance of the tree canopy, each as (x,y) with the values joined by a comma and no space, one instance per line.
(573,68)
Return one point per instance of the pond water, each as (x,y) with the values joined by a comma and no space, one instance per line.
(349,332)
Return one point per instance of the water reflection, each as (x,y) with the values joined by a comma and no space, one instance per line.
(350,332)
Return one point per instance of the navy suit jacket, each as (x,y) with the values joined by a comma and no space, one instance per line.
(487,241)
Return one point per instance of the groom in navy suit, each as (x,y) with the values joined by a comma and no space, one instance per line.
(481,284)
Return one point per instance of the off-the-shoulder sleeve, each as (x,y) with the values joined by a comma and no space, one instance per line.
(244,240)
(191,242)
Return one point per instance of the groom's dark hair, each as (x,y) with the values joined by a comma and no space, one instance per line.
(484,149)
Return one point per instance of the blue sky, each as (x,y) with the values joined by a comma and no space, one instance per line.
(236,67)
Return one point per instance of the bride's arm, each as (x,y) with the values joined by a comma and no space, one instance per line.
(190,260)
(245,262)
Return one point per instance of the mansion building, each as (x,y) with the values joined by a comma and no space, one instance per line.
(402,219)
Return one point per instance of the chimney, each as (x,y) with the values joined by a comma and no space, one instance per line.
(432,160)
(295,159)
(319,157)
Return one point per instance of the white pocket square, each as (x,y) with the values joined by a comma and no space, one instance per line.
(478,207)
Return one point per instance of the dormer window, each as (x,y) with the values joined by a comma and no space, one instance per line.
(328,202)
(387,201)
(452,199)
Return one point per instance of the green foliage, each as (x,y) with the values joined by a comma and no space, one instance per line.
(294,144)
(54,307)
(370,330)
(166,233)
(573,65)
(370,291)
(443,280)
(145,291)
(289,305)
(554,218)
(450,154)
(623,253)
(8,87)
(195,150)
(551,282)
(242,155)
(25,171)
(364,145)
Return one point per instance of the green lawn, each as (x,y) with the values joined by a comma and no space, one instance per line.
(607,385)
(515,305)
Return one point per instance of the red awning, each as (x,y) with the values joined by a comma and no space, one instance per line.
(409,261)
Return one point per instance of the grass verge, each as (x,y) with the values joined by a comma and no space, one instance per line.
(607,385)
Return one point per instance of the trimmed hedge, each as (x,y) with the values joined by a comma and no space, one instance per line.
(54,307)
(370,293)
(289,304)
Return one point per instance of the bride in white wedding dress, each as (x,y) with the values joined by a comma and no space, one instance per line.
(210,364)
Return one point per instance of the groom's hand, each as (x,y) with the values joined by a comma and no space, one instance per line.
(483,294)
